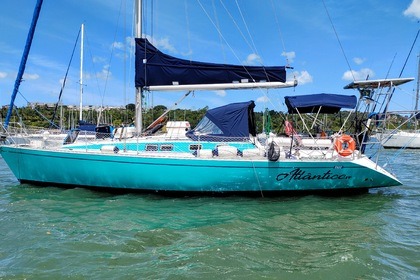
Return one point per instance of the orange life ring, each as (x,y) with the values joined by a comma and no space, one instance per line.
(344,145)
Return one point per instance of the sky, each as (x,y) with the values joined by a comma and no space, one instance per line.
(328,43)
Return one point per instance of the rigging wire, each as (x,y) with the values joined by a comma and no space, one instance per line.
(152,10)
(111,57)
(148,16)
(64,81)
(338,39)
(237,27)
(357,122)
(284,52)
(220,33)
(246,27)
(405,63)
(94,68)
(385,101)
(148,99)
(279,30)
(218,26)
(39,112)
(251,46)
(224,39)
(409,53)
(188,28)
(254,48)
(125,59)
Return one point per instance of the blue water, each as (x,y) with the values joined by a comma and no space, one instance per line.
(55,233)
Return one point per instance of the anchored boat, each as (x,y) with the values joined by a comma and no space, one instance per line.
(223,154)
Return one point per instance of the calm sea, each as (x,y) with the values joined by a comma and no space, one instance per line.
(55,233)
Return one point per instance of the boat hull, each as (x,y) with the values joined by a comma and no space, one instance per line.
(191,174)
(402,139)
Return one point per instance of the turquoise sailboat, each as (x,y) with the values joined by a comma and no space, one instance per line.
(223,154)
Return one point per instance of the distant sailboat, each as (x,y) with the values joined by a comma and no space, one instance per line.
(86,129)
(407,139)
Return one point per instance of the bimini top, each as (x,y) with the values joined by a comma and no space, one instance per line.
(158,71)
(234,122)
(319,103)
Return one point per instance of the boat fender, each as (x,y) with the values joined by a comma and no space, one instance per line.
(273,153)
(109,149)
(197,153)
(344,145)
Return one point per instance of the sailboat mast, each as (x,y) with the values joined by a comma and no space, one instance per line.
(416,106)
(23,61)
(139,91)
(82,30)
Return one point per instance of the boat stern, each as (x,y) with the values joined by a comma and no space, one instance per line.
(379,177)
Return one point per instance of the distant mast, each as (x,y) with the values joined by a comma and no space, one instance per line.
(23,61)
(139,91)
(82,30)
(416,106)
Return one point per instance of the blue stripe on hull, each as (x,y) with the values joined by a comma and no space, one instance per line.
(192,175)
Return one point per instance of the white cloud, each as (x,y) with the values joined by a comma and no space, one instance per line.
(3,75)
(103,74)
(362,74)
(98,59)
(359,60)
(117,45)
(263,99)
(302,77)
(413,10)
(253,59)
(130,41)
(28,76)
(187,54)
(45,62)
(163,44)
(290,56)
(221,93)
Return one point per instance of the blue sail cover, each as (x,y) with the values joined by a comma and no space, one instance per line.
(154,68)
(233,122)
(329,103)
